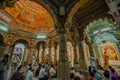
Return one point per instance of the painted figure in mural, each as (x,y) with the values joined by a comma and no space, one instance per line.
(106,56)
(112,54)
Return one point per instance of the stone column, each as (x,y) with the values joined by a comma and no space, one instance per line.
(63,63)
(82,62)
(91,49)
(25,56)
(38,53)
(49,55)
(75,54)
(55,56)
(30,56)
(92,57)
(114,6)
(43,54)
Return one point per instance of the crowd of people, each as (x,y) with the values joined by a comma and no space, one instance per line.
(45,71)
(94,73)
(42,72)
(102,73)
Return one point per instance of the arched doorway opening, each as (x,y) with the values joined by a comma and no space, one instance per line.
(18,52)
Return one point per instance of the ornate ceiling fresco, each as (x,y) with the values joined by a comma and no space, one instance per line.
(30,18)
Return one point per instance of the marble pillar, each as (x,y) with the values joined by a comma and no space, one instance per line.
(63,63)
(38,53)
(91,49)
(30,56)
(25,57)
(49,54)
(93,61)
(114,6)
(43,54)
(83,64)
(55,56)
(75,55)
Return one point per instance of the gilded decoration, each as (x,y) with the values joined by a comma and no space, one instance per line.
(32,16)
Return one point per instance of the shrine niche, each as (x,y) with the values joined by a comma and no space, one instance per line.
(102,34)
(29,18)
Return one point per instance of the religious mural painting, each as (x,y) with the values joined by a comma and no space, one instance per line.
(110,53)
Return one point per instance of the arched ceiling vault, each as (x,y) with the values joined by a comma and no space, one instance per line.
(30,16)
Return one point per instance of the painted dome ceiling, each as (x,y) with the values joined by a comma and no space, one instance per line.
(30,18)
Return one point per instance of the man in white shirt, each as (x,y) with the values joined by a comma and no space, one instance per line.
(30,75)
(52,72)
(42,73)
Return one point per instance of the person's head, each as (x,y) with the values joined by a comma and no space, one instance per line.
(72,75)
(52,65)
(110,67)
(112,70)
(100,67)
(77,63)
(39,65)
(91,74)
(72,68)
(43,66)
(106,74)
(19,68)
(77,78)
(30,64)
(113,78)
(89,67)
(30,68)
(94,71)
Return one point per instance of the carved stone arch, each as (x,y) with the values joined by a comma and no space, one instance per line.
(23,41)
(47,7)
